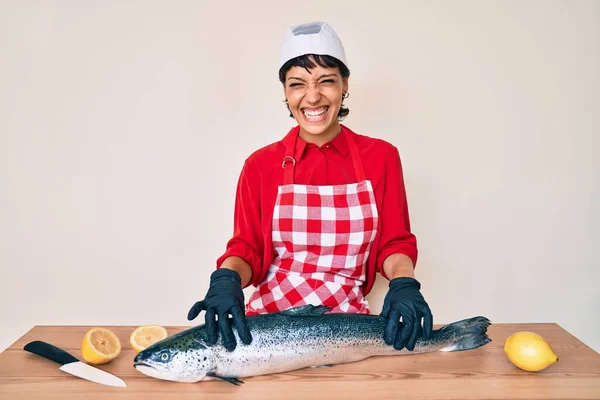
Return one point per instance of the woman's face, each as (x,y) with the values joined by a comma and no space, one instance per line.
(315,98)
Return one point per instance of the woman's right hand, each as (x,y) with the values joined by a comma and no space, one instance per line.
(224,297)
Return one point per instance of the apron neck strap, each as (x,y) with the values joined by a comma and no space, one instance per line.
(356,159)
(289,162)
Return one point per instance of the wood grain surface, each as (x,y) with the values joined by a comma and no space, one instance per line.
(483,373)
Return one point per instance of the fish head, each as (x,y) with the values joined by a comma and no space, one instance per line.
(180,358)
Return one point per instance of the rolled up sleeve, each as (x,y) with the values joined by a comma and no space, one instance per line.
(247,240)
(396,235)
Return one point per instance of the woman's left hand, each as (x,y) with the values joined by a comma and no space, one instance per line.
(405,300)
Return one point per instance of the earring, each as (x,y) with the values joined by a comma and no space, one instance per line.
(345,95)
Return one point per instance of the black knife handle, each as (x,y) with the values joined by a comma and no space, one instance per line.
(50,352)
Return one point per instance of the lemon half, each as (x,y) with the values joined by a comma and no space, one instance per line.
(100,346)
(529,351)
(145,336)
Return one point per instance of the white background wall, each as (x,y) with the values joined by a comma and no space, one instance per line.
(124,125)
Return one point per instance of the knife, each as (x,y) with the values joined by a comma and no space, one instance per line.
(72,365)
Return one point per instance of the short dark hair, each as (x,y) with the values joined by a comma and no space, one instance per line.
(324,61)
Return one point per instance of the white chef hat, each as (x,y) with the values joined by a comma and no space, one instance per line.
(311,38)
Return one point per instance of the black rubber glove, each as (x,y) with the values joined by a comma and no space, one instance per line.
(404,300)
(224,297)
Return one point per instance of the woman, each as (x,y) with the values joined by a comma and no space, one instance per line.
(318,213)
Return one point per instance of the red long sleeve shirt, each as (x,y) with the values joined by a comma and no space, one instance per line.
(331,164)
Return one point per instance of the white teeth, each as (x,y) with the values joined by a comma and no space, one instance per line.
(315,113)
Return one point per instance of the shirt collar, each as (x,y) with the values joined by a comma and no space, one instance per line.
(340,143)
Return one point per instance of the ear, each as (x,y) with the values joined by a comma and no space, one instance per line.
(345,85)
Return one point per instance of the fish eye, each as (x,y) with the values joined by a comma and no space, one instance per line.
(164,356)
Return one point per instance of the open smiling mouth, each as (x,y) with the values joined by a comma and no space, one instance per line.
(315,115)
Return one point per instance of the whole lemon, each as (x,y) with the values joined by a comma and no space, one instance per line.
(529,351)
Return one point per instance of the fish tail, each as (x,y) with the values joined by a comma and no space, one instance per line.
(467,334)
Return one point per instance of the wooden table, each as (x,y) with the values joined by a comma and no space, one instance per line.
(483,373)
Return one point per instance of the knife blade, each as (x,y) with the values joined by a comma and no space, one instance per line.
(72,365)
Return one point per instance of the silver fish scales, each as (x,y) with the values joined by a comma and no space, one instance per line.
(298,338)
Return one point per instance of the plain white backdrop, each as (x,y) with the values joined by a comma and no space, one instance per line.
(124,125)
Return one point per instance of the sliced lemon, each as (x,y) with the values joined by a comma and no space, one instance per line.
(145,336)
(100,345)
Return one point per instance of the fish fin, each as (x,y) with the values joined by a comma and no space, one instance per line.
(471,333)
(307,310)
(322,366)
(229,379)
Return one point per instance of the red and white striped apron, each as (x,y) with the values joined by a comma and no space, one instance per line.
(322,235)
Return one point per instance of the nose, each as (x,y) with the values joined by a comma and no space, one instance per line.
(313,95)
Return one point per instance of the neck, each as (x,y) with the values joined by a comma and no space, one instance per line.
(321,138)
